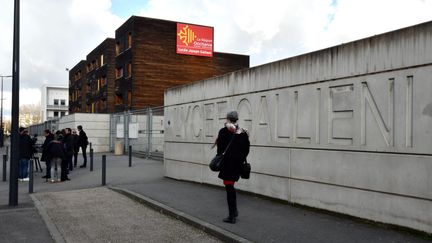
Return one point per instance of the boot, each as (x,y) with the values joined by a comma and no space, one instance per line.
(230,219)
(232,204)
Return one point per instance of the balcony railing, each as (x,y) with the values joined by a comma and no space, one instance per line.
(57,107)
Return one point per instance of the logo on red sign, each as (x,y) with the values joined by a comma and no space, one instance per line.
(194,40)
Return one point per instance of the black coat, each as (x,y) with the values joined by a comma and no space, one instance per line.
(48,139)
(68,145)
(82,139)
(75,139)
(54,150)
(235,155)
(25,146)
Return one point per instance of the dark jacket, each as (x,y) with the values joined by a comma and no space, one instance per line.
(82,139)
(54,150)
(68,144)
(25,146)
(48,139)
(235,155)
(75,139)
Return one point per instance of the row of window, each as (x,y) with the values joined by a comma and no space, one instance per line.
(101,82)
(95,63)
(119,99)
(122,45)
(61,113)
(75,95)
(120,71)
(99,62)
(77,75)
(62,102)
(100,105)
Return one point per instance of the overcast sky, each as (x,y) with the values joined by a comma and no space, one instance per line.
(57,34)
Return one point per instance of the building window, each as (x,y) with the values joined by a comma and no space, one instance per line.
(62,102)
(77,75)
(129,98)
(117,48)
(103,81)
(119,72)
(56,101)
(129,40)
(129,69)
(62,113)
(101,60)
(56,113)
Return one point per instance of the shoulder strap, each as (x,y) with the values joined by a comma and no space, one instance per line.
(232,138)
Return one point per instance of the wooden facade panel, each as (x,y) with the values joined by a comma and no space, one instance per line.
(157,66)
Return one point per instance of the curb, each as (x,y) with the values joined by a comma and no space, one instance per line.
(214,230)
(52,228)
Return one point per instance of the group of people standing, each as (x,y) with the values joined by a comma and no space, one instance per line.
(59,151)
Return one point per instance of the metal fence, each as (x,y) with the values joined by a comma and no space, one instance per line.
(38,129)
(143,130)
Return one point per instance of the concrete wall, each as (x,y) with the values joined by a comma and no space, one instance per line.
(347,129)
(96,127)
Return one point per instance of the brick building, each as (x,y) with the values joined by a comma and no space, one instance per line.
(146,63)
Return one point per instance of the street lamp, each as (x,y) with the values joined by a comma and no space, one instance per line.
(1,111)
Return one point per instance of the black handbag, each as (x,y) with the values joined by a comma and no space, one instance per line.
(245,170)
(216,162)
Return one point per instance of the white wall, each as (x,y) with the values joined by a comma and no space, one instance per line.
(347,129)
(96,127)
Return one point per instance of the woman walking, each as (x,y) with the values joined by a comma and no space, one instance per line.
(237,141)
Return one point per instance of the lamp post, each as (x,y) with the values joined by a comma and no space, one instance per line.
(1,111)
(13,179)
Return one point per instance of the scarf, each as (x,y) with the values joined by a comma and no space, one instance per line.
(233,128)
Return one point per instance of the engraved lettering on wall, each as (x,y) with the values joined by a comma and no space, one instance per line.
(209,120)
(222,108)
(282,117)
(196,121)
(341,115)
(183,117)
(304,114)
(317,115)
(244,110)
(386,130)
(409,112)
(264,129)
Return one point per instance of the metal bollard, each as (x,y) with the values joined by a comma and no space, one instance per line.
(4,166)
(31,171)
(103,170)
(90,146)
(130,155)
(91,159)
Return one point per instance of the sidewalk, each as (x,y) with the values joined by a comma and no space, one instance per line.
(260,220)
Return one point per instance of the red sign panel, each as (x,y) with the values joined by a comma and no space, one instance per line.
(194,40)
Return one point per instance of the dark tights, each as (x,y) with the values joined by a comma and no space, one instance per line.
(232,200)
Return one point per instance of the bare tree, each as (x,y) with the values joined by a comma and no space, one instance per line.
(7,126)
(29,114)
